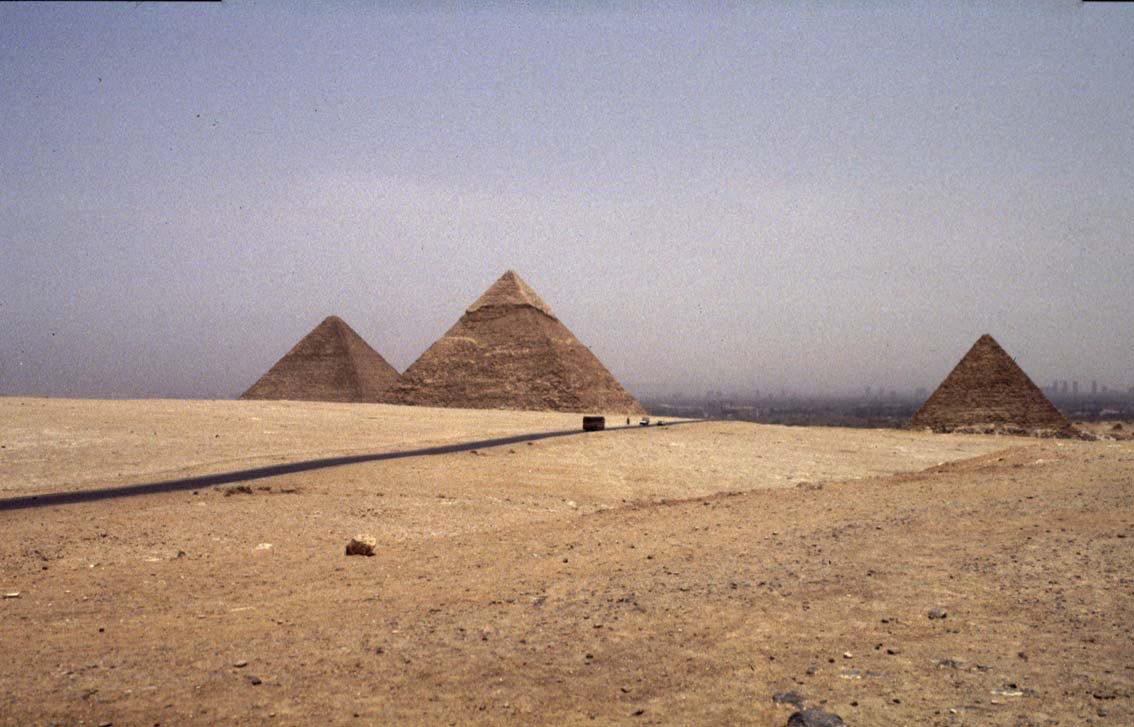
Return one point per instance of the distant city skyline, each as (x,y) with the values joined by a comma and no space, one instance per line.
(803,197)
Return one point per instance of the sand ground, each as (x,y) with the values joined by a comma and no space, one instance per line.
(673,575)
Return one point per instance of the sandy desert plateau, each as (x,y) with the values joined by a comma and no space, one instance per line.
(683,574)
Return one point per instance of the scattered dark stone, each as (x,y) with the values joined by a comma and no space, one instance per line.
(815,718)
(253,680)
(237,490)
(949,664)
(361,545)
(937,613)
(791,698)
(893,650)
(637,713)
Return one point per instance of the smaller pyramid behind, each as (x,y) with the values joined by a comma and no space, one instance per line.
(331,363)
(509,351)
(988,388)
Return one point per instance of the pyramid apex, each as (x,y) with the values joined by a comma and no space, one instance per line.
(510,291)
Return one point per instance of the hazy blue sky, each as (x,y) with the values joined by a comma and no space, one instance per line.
(818,196)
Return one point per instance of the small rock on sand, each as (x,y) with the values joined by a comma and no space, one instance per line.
(815,718)
(792,698)
(361,545)
(937,613)
(12,594)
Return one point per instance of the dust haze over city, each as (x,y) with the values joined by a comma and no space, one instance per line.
(740,198)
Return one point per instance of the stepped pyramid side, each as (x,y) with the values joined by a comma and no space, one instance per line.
(988,388)
(331,363)
(509,351)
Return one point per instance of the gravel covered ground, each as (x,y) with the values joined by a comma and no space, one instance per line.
(672,575)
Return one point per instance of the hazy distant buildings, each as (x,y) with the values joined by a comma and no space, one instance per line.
(1063,388)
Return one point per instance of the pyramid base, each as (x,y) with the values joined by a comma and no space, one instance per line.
(1009,430)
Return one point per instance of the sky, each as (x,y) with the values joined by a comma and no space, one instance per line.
(736,196)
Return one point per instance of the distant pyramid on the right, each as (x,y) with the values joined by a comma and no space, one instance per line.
(988,391)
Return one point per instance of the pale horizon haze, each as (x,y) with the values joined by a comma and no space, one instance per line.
(731,196)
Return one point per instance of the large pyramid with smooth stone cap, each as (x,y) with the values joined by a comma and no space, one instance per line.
(988,389)
(331,363)
(509,351)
